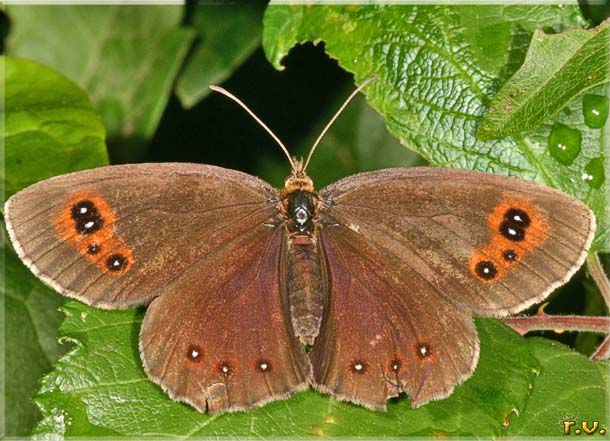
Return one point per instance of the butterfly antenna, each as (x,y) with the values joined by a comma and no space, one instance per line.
(330,123)
(257,119)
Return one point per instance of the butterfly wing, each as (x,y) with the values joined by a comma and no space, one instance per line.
(488,243)
(232,350)
(206,241)
(385,331)
(112,237)
(412,253)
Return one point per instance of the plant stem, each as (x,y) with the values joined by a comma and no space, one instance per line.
(541,322)
(603,351)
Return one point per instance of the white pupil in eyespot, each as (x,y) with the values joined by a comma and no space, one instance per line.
(89,224)
(83,210)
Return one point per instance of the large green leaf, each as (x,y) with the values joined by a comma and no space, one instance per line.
(557,68)
(125,56)
(31,319)
(499,36)
(585,176)
(100,388)
(50,126)
(433,90)
(569,388)
(50,129)
(228,36)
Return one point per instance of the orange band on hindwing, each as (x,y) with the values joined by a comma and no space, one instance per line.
(516,229)
(86,222)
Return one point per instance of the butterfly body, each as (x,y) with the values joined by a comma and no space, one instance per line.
(381,272)
(305,274)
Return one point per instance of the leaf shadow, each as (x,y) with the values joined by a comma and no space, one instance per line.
(516,53)
(134,338)
(127,149)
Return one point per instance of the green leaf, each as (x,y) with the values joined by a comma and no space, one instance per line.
(585,176)
(220,52)
(100,388)
(31,319)
(499,37)
(570,387)
(50,126)
(433,93)
(557,68)
(126,57)
(50,129)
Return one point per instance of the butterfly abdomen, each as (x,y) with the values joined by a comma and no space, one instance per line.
(306,286)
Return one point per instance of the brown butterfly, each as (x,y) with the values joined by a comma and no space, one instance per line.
(380,272)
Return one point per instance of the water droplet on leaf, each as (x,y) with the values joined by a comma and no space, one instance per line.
(594,172)
(564,143)
(595,110)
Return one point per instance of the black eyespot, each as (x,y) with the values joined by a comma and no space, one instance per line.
(263,365)
(116,262)
(87,217)
(93,248)
(486,269)
(84,209)
(226,368)
(395,365)
(194,354)
(358,366)
(423,350)
(517,217)
(512,231)
(510,255)
(89,226)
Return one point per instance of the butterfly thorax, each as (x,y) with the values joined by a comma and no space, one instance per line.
(300,212)
(299,203)
(304,276)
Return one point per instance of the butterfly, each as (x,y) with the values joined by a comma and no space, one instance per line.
(379,274)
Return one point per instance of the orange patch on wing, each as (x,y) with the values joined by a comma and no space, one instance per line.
(100,245)
(492,261)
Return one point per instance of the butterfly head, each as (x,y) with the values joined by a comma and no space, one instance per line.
(297,180)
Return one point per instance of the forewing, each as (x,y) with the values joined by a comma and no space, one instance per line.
(232,350)
(488,243)
(113,237)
